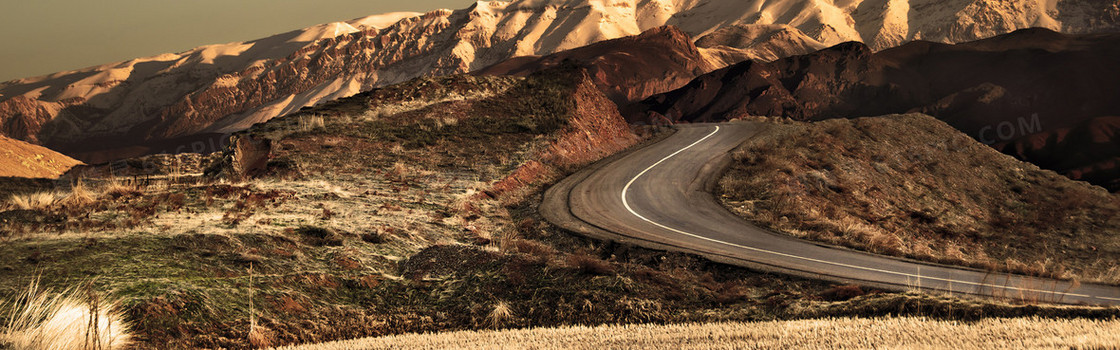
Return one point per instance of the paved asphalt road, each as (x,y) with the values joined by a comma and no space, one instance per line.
(659,196)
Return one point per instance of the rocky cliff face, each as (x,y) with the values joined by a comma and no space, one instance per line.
(995,90)
(163,102)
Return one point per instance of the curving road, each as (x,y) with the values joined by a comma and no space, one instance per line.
(659,196)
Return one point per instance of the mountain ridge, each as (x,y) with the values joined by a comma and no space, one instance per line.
(148,102)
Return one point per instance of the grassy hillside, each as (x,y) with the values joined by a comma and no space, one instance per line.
(910,185)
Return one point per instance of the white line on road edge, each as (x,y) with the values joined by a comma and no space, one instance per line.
(626,203)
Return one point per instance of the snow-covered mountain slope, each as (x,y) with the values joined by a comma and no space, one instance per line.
(140,106)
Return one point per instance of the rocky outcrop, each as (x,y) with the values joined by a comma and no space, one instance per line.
(827,82)
(22,117)
(250,156)
(594,130)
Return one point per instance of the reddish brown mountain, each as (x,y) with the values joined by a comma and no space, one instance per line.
(822,83)
(626,69)
(996,90)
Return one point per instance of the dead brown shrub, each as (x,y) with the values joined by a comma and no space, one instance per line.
(536,252)
(588,264)
(841,293)
(117,189)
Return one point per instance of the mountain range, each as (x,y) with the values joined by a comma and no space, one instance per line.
(172,102)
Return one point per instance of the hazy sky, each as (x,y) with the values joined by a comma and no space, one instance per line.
(46,36)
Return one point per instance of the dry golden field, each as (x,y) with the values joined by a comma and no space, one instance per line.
(831,333)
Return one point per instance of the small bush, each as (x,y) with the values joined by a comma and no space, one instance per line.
(842,293)
(176,201)
(319,236)
(535,251)
(375,238)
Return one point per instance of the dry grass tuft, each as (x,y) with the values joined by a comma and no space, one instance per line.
(396,149)
(501,314)
(535,251)
(79,196)
(70,319)
(33,201)
(261,337)
(401,170)
(117,189)
(506,237)
(309,123)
